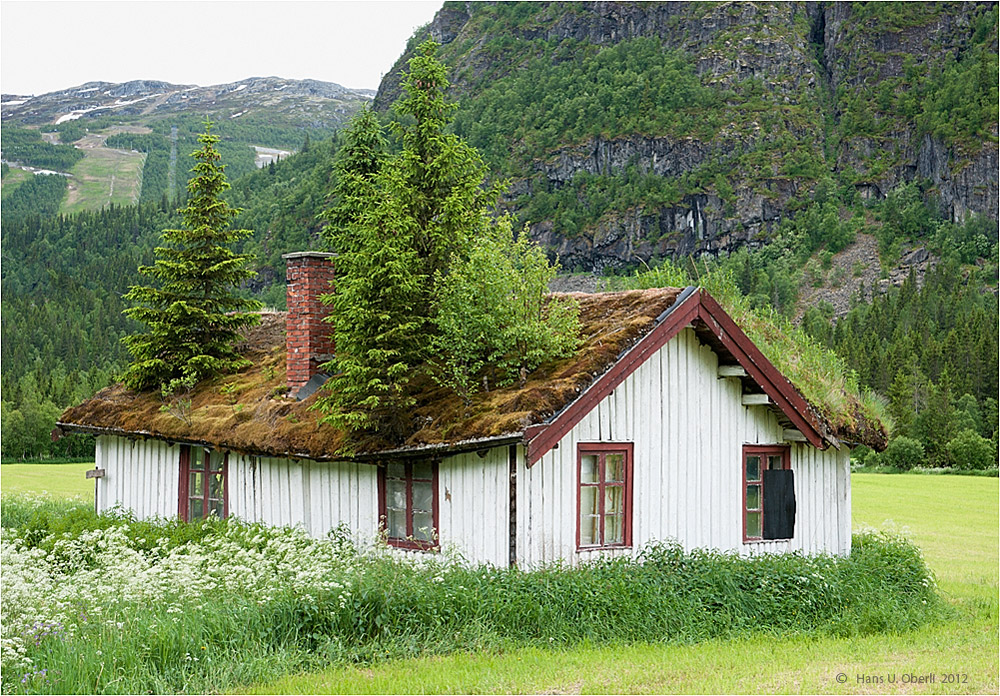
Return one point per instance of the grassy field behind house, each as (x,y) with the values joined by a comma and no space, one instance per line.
(57,480)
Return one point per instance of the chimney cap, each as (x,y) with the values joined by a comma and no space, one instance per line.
(309,254)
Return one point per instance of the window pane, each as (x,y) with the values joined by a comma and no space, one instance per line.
(397,524)
(196,509)
(216,485)
(753,524)
(215,507)
(614,467)
(588,500)
(197,458)
(614,500)
(590,529)
(395,498)
(590,519)
(423,526)
(774,461)
(588,468)
(423,495)
(614,529)
(396,470)
(753,497)
(753,468)
(422,470)
(196,484)
(215,460)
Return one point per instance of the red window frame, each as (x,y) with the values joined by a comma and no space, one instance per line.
(601,450)
(408,542)
(762,451)
(183,489)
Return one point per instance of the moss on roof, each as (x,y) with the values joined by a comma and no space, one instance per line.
(251,411)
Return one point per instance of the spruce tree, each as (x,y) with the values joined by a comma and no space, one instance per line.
(195,316)
(373,311)
(401,225)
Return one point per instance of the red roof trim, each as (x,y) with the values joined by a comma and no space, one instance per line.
(541,439)
(785,396)
(699,306)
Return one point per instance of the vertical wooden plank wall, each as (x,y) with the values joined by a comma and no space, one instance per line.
(474,502)
(319,496)
(473,497)
(688,427)
(139,474)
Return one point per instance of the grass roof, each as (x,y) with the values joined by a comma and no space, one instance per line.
(252,412)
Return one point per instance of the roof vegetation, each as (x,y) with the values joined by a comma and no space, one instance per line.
(857,415)
(251,411)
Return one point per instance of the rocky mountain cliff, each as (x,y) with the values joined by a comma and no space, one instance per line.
(769,106)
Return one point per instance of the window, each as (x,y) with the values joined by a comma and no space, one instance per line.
(604,495)
(203,490)
(768,494)
(408,503)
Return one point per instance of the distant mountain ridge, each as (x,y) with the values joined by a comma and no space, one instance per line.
(326,103)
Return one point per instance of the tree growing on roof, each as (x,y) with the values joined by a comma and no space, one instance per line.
(195,316)
(495,322)
(401,226)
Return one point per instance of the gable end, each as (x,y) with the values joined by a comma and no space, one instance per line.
(693,307)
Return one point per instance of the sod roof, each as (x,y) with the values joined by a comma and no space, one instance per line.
(252,412)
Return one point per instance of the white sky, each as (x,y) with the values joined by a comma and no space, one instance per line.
(51,45)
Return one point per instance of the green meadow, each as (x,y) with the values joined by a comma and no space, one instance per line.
(953,519)
(12,179)
(61,481)
(104,176)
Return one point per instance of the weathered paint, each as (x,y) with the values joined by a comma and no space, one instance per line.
(141,475)
(472,493)
(689,427)
(474,506)
(318,496)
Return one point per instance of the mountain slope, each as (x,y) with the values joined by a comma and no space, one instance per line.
(665,129)
(110,122)
(311,102)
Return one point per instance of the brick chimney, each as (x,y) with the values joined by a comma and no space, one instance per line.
(308,343)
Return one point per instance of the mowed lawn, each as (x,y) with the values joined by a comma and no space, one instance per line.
(56,480)
(953,519)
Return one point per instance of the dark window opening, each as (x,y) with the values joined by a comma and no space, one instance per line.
(408,504)
(768,493)
(604,495)
(203,486)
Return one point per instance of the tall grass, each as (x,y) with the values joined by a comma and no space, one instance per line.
(110,605)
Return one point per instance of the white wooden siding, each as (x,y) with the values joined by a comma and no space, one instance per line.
(474,505)
(473,493)
(141,475)
(319,496)
(688,427)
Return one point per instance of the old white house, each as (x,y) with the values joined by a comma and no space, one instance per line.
(667,424)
